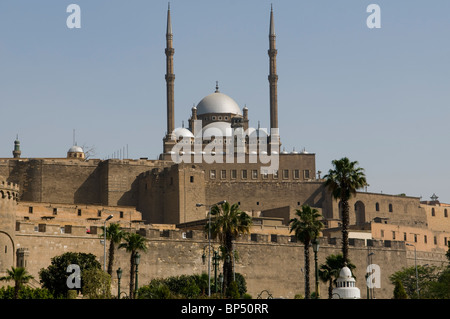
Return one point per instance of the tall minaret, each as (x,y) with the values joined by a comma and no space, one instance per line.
(170,76)
(273,77)
(274,139)
(170,79)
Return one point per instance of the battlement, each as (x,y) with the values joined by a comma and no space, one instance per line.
(9,186)
(259,238)
(9,191)
(166,233)
(88,162)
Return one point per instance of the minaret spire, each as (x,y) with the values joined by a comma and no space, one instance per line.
(272,27)
(273,79)
(169,139)
(169,22)
(170,76)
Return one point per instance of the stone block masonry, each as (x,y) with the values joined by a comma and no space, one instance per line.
(276,265)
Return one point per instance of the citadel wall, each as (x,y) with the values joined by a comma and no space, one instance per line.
(72,181)
(268,262)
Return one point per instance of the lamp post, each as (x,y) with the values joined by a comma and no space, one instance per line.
(119,275)
(415,263)
(104,241)
(315,245)
(215,264)
(221,283)
(209,241)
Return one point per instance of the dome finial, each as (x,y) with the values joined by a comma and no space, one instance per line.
(217,87)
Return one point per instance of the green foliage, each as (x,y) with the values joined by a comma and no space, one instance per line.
(72,294)
(19,275)
(307,226)
(427,275)
(134,243)
(233,291)
(96,284)
(187,287)
(399,291)
(228,222)
(343,181)
(241,283)
(157,289)
(25,293)
(114,234)
(54,277)
(440,288)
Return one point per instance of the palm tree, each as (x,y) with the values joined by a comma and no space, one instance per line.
(343,181)
(20,277)
(114,234)
(133,243)
(228,222)
(306,228)
(329,271)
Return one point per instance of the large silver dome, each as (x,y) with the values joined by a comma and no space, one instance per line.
(218,103)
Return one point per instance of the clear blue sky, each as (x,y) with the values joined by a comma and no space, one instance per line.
(378,96)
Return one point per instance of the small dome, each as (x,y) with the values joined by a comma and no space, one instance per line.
(182,132)
(75,149)
(218,103)
(346,273)
(260,132)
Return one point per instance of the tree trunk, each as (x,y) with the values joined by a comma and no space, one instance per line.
(307,289)
(345,223)
(132,275)
(111,257)
(228,262)
(330,289)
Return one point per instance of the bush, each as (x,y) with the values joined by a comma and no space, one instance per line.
(188,287)
(233,291)
(96,284)
(25,293)
(399,291)
(54,277)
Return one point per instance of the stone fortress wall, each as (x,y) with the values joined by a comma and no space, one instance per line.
(270,262)
(51,206)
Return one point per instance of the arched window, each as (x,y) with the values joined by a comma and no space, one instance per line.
(391,208)
(433,212)
(445,213)
(377,207)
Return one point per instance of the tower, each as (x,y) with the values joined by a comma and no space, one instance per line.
(273,79)
(9,195)
(17,151)
(170,79)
